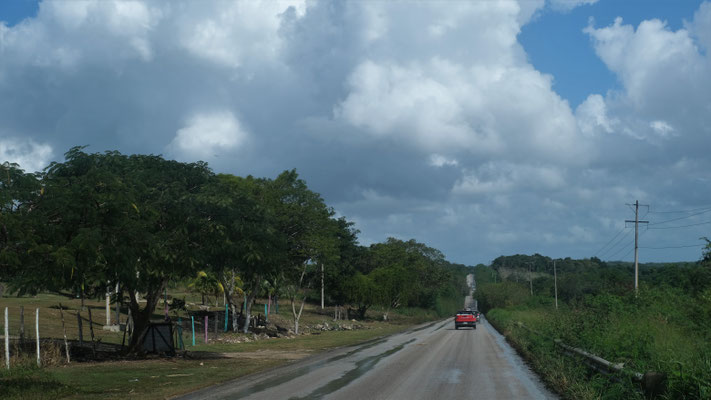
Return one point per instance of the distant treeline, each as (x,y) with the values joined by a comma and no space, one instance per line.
(580,277)
(145,222)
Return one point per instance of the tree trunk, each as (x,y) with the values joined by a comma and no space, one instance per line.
(141,318)
(297,316)
(248,311)
(228,283)
(249,299)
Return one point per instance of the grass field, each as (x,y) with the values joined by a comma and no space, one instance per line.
(219,360)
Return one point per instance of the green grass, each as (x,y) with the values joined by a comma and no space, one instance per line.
(646,334)
(157,378)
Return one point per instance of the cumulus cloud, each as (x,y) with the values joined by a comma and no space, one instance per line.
(438,160)
(234,33)
(502,177)
(592,116)
(206,135)
(482,108)
(567,5)
(420,119)
(28,154)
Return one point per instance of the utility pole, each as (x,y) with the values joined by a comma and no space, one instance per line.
(530,281)
(555,285)
(322,287)
(636,242)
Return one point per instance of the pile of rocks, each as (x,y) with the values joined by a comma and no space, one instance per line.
(336,327)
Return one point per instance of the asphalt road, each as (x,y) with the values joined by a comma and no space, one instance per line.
(432,361)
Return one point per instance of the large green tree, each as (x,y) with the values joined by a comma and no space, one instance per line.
(19,193)
(304,221)
(240,241)
(107,217)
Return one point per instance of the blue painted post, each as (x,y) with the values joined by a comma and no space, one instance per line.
(192,320)
(227,315)
(266,315)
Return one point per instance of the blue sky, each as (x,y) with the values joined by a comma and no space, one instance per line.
(556,44)
(481,128)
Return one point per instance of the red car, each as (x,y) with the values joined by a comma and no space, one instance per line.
(465,318)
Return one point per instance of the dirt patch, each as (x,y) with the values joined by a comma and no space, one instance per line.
(261,354)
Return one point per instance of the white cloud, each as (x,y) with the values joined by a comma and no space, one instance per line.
(28,154)
(701,25)
(234,33)
(505,177)
(207,135)
(662,128)
(666,81)
(567,5)
(438,160)
(417,119)
(592,117)
(440,105)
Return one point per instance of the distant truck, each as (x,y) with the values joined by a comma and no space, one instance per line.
(465,318)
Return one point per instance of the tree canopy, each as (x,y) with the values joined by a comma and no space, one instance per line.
(97,219)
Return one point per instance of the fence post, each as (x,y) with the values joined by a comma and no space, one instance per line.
(206,320)
(180,333)
(108,305)
(39,362)
(22,326)
(81,331)
(227,315)
(64,330)
(7,340)
(91,331)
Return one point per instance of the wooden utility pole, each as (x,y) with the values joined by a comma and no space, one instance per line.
(555,284)
(636,242)
(64,330)
(530,281)
(322,288)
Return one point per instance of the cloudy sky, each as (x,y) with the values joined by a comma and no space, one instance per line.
(481,128)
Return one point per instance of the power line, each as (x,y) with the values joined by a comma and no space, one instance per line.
(623,248)
(628,253)
(673,247)
(629,246)
(620,241)
(613,238)
(682,226)
(680,218)
(681,211)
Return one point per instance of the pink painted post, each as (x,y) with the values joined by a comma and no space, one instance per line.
(206,329)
